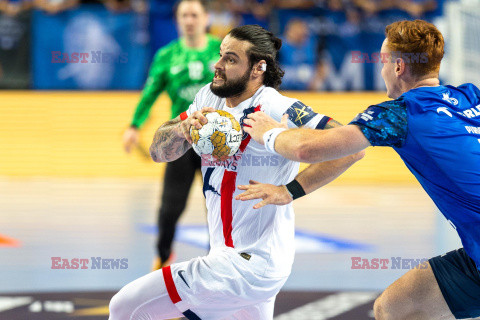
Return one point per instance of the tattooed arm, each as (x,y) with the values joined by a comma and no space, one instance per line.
(172,139)
(169,142)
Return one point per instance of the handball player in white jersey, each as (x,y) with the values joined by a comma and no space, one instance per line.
(252,250)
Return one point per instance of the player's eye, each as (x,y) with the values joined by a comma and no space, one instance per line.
(231,60)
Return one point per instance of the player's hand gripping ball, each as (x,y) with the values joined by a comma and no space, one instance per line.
(219,138)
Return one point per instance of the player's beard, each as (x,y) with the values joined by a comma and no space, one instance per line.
(231,88)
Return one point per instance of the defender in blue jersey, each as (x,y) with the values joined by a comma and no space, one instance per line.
(436,131)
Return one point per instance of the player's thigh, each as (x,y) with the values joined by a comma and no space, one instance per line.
(221,284)
(416,295)
(144,298)
(260,311)
(459,280)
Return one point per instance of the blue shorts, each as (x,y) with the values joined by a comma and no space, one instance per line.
(459,280)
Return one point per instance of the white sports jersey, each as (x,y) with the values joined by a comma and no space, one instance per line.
(265,234)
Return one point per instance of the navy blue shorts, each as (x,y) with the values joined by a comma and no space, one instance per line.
(459,281)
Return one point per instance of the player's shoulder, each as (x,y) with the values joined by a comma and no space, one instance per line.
(424,99)
(276,105)
(272,100)
(466,87)
(399,103)
(469,90)
(383,114)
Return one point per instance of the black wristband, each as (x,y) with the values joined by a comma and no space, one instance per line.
(134,126)
(295,189)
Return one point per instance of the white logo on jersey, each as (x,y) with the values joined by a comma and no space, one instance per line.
(474,130)
(366,116)
(175,69)
(472,112)
(444,110)
(451,100)
(195,70)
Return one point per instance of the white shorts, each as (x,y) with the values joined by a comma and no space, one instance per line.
(220,285)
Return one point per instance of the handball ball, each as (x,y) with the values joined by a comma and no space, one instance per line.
(219,138)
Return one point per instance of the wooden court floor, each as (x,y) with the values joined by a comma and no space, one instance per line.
(104,217)
(68,190)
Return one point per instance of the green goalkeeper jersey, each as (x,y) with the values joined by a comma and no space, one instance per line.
(181,71)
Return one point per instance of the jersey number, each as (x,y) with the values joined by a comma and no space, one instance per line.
(195,70)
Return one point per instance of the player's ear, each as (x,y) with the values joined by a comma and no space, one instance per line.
(399,66)
(259,68)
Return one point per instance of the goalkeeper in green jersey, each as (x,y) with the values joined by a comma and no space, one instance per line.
(181,68)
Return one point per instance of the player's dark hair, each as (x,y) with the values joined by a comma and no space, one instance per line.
(265,46)
(177,4)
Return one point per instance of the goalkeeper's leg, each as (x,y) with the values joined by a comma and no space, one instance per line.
(179,175)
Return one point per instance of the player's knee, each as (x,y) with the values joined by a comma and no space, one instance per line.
(119,306)
(378,310)
(383,309)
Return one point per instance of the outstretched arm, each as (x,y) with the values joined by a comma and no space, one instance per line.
(313,177)
(308,145)
(319,174)
(339,143)
(313,146)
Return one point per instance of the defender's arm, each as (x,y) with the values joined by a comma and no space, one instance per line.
(310,179)
(314,146)
(308,145)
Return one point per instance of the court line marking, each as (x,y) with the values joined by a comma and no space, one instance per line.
(8,303)
(8,241)
(305,241)
(330,306)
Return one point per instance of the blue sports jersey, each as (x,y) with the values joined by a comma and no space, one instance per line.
(436,131)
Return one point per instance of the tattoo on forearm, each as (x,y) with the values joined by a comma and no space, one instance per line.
(167,145)
(332,124)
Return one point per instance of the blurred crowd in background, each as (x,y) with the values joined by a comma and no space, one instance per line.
(318,36)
